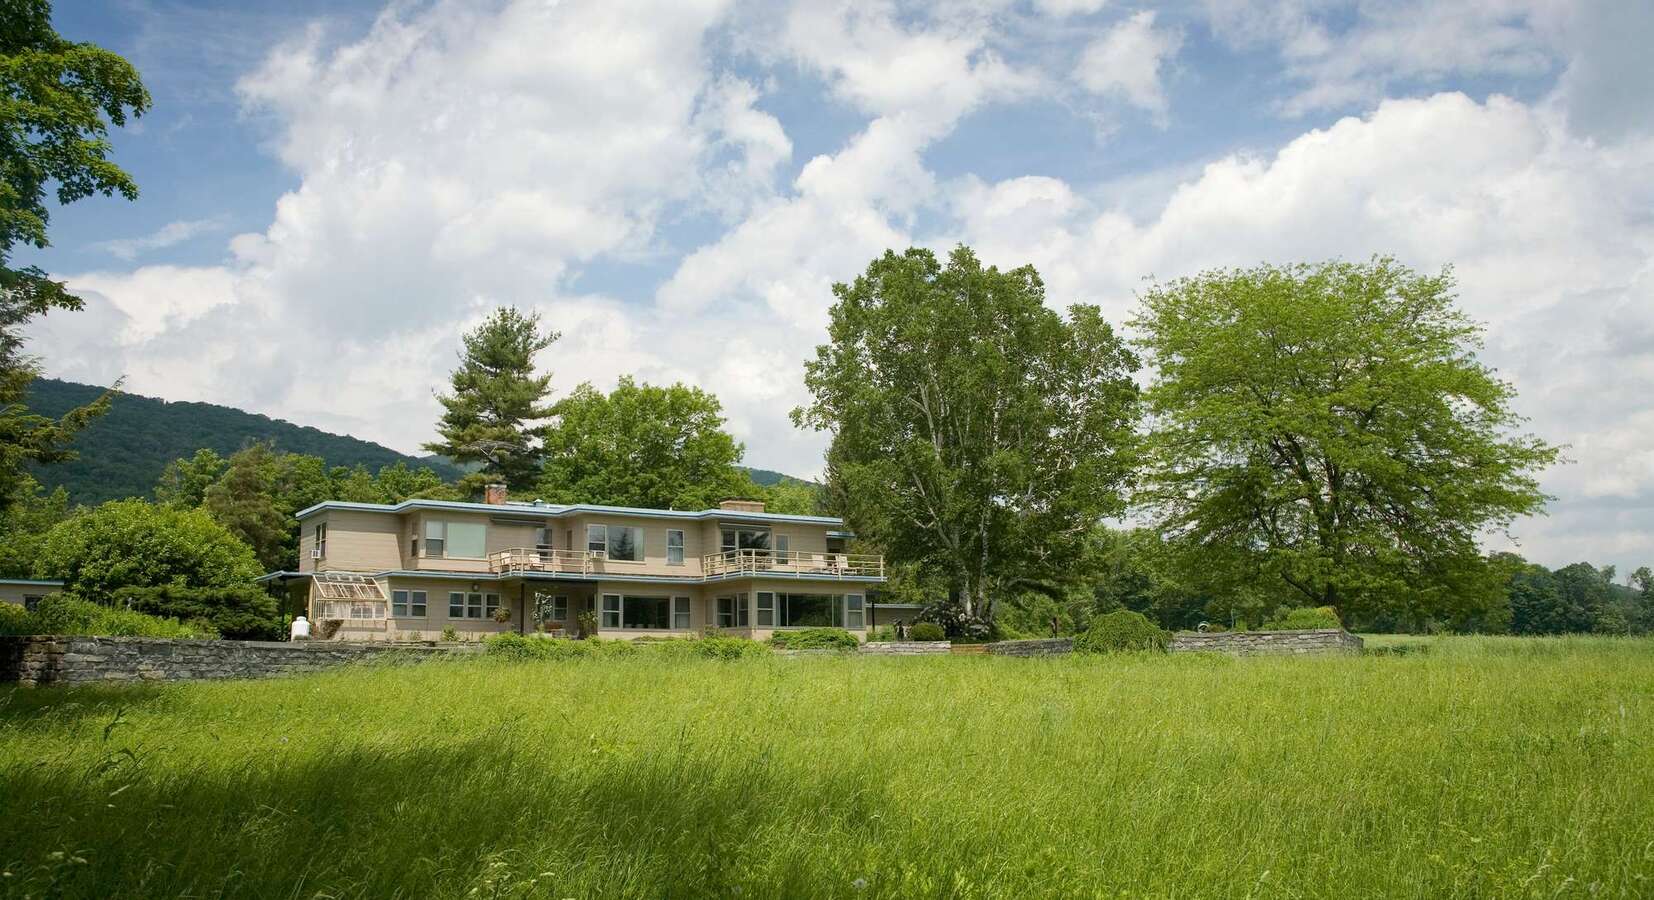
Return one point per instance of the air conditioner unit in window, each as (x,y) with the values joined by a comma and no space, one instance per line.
(315,553)
(598,554)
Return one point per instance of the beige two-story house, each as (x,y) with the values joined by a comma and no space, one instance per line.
(417,568)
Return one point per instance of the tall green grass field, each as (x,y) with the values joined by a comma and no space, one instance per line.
(1467,767)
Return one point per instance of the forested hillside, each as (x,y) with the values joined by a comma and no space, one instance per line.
(123,453)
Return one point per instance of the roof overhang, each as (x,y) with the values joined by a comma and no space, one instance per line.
(530,512)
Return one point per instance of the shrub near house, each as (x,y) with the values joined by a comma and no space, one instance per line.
(61,614)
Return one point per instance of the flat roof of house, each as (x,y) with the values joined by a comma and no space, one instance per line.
(31,582)
(591,578)
(557,511)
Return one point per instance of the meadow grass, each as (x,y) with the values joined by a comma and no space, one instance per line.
(1478,768)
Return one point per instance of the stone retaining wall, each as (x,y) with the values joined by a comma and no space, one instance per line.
(1038,647)
(1262,643)
(1236,643)
(76,659)
(906,648)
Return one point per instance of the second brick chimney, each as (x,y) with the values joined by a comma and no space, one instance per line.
(494,494)
(742,505)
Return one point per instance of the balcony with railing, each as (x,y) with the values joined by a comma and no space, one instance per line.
(534,559)
(735,563)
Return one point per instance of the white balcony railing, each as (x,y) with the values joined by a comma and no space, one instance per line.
(762,562)
(714,565)
(576,562)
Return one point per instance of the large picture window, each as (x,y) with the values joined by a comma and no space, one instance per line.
(742,537)
(809,610)
(654,613)
(461,540)
(615,541)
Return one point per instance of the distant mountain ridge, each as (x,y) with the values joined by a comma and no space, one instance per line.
(123,453)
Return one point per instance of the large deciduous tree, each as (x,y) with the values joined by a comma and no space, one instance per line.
(641,445)
(57,101)
(975,431)
(134,543)
(494,415)
(1328,427)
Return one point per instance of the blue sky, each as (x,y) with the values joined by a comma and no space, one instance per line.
(333,192)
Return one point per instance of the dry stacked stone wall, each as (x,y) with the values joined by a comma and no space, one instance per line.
(1266,643)
(906,648)
(1039,647)
(55,659)
(1236,643)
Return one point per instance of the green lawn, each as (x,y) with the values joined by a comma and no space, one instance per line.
(1479,768)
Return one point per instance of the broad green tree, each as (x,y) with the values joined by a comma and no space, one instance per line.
(975,431)
(641,445)
(495,412)
(57,101)
(1329,427)
(135,543)
(184,482)
(30,517)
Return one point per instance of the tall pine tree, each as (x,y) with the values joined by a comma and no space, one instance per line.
(493,415)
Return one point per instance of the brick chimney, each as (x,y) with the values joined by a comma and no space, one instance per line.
(742,505)
(494,494)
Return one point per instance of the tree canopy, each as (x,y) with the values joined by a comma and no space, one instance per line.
(974,430)
(57,101)
(494,413)
(134,543)
(1328,428)
(641,445)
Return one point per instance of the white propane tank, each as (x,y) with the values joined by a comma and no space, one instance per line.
(301,629)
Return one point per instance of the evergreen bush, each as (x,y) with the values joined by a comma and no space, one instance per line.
(1121,631)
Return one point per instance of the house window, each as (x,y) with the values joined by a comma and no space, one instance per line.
(321,539)
(782,543)
(680,613)
(854,612)
(471,605)
(31,602)
(766,609)
(611,610)
(674,547)
(548,608)
(646,612)
(732,612)
(740,537)
(615,542)
(408,603)
(809,610)
(458,540)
